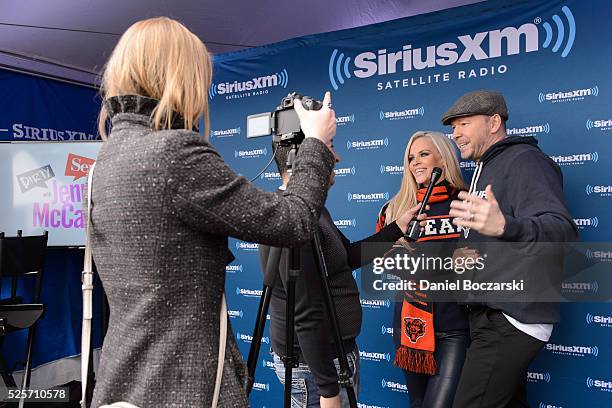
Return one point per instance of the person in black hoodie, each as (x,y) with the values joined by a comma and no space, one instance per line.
(315,380)
(433,359)
(514,206)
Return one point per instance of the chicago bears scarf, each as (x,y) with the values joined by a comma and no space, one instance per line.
(416,350)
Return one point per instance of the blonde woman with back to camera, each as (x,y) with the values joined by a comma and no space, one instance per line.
(163,206)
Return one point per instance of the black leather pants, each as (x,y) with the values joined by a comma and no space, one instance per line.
(438,391)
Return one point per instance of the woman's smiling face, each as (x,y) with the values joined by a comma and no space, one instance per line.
(422,159)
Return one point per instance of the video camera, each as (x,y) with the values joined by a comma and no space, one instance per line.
(283,124)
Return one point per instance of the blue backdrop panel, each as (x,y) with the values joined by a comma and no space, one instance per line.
(40,109)
(550,59)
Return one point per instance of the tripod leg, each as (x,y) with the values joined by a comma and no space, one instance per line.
(290,360)
(344,377)
(269,258)
(260,324)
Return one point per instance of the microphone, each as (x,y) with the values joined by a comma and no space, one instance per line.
(414,229)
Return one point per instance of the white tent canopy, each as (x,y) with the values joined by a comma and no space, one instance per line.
(71,39)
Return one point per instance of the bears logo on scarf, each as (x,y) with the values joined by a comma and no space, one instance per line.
(414,328)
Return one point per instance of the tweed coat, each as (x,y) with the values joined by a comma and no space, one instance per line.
(163,206)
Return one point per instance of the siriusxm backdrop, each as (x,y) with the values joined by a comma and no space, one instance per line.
(551,59)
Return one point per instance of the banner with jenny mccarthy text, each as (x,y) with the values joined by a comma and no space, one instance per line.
(551,60)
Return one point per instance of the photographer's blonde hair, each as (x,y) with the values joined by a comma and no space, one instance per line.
(406,197)
(161,59)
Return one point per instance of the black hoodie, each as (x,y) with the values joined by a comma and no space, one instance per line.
(528,186)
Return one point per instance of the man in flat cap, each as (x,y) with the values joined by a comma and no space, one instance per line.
(528,207)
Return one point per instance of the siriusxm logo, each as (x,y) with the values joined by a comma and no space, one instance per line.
(545,405)
(602,256)
(247,246)
(344,171)
(249,154)
(537,377)
(580,287)
(576,159)
(393,386)
(248,338)
(603,385)
(467,165)
(254,84)
(261,386)
(603,191)
(235,314)
(367,144)
(225,132)
(386,330)
(568,96)
(403,114)
(345,223)
(270,175)
(362,405)
(390,277)
(267,364)
(604,321)
(375,303)
(368,197)
(233,268)
(586,222)
(529,130)
(248,292)
(371,356)
(345,120)
(601,124)
(480,46)
(391,169)
(576,351)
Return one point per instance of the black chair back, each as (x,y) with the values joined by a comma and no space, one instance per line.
(21,256)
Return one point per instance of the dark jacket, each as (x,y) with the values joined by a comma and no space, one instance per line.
(313,334)
(528,186)
(164,204)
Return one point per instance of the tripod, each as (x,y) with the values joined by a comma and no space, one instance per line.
(291,359)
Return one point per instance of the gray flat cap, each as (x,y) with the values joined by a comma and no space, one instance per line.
(477,103)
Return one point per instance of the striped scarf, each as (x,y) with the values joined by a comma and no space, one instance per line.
(416,351)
